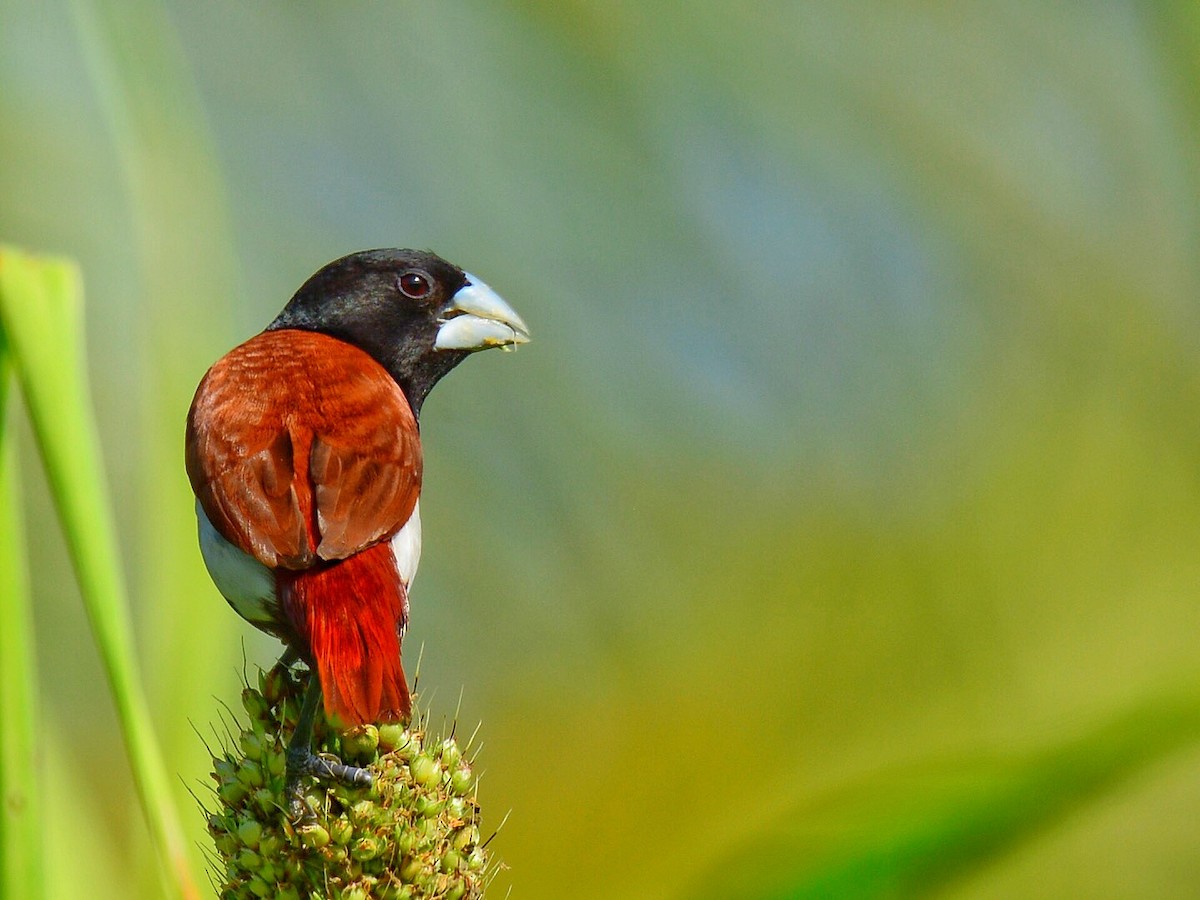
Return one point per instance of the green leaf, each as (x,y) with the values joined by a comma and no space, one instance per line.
(41,312)
(909,832)
(21,872)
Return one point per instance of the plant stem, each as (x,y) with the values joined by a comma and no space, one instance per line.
(41,312)
(21,862)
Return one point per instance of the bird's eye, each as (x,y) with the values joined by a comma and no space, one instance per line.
(415,285)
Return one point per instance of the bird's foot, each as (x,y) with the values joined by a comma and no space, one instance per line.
(325,769)
(301,765)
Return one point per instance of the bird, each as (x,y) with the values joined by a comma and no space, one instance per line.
(304,454)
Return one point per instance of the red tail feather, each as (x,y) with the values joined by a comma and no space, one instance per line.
(350,614)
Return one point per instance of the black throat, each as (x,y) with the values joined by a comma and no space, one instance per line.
(417,377)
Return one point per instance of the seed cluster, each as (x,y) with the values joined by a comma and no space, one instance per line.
(413,834)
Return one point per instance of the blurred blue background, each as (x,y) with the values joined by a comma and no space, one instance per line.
(860,429)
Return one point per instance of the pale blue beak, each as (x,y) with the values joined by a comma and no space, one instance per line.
(477,318)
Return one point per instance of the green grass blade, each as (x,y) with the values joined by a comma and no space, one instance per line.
(41,311)
(909,833)
(21,872)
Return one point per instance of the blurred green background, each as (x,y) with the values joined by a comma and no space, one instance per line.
(843,518)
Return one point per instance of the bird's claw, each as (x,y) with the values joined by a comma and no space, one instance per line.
(310,765)
(332,770)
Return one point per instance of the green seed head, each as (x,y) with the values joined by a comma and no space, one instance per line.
(255,704)
(250,774)
(429,807)
(224,770)
(408,745)
(450,754)
(275,761)
(249,833)
(366,848)
(265,799)
(273,686)
(465,837)
(227,844)
(341,831)
(412,835)
(313,836)
(456,808)
(450,861)
(359,744)
(391,736)
(363,811)
(231,793)
(410,869)
(249,861)
(403,840)
(252,744)
(425,771)
(269,846)
(462,781)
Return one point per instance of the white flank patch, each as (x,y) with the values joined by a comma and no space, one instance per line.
(406,547)
(247,584)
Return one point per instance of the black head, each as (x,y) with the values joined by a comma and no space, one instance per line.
(415,313)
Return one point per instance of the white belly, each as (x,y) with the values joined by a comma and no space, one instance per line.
(406,547)
(249,586)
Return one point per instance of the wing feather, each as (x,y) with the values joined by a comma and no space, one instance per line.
(302,448)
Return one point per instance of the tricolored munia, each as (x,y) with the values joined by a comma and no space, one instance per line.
(304,453)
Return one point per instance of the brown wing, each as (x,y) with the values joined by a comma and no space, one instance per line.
(301,447)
